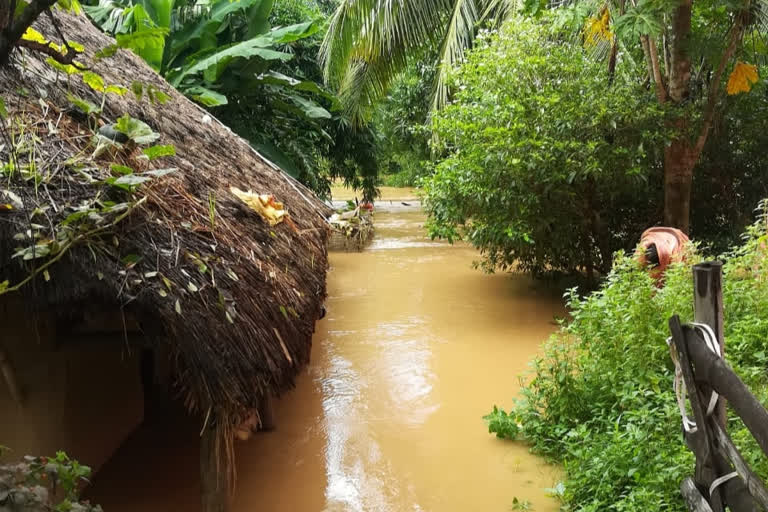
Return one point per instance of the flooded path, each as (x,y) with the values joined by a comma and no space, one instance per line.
(416,347)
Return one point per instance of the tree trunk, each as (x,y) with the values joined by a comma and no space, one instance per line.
(679,161)
(680,156)
(680,58)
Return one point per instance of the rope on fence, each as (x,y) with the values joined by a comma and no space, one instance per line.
(678,384)
(721,480)
(681,391)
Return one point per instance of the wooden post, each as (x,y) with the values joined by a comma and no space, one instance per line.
(214,472)
(693,498)
(708,309)
(266,413)
(700,442)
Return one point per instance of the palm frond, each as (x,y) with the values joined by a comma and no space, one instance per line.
(365,35)
(497,11)
(457,40)
(759,11)
(365,82)
(344,29)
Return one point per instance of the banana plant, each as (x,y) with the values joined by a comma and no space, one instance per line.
(136,16)
(211,50)
(226,54)
(235,67)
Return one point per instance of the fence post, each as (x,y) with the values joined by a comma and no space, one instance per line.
(708,309)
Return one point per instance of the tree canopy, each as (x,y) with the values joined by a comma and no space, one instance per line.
(544,167)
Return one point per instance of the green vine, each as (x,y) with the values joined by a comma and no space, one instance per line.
(6,288)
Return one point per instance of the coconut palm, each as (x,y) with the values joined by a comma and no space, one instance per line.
(369,41)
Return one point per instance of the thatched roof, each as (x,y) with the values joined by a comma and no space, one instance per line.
(234,299)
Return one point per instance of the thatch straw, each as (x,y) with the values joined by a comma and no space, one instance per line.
(243,297)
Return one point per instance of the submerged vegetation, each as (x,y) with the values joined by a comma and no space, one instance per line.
(546,163)
(605,118)
(601,399)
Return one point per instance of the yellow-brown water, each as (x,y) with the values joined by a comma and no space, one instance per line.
(415,348)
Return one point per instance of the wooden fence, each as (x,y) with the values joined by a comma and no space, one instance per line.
(722,477)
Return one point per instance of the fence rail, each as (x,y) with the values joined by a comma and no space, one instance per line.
(722,477)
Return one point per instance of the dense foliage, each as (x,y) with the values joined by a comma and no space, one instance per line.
(601,398)
(580,159)
(256,67)
(731,176)
(545,165)
(697,55)
(316,149)
(402,129)
(692,55)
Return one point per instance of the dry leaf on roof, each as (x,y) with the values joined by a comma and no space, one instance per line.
(264,204)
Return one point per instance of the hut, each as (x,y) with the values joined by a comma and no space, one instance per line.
(119,263)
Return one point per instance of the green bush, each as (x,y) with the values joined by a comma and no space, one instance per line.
(546,166)
(601,400)
(409,175)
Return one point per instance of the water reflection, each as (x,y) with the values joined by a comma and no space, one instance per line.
(392,387)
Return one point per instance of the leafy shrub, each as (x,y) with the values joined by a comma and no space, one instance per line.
(601,399)
(545,165)
(400,179)
(291,12)
(44,484)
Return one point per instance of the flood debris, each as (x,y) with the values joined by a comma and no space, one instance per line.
(351,227)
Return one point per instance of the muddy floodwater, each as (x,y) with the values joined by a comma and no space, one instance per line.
(416,347)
